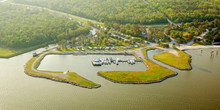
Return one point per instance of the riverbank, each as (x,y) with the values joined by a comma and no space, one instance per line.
(69,77)
(8,53)
(181,61)
(154,74)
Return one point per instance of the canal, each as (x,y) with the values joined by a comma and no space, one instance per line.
(195,89)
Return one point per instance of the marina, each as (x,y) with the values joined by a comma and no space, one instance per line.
(109,55)
(109,61)
(191,87)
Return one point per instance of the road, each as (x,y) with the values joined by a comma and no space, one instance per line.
(172,22)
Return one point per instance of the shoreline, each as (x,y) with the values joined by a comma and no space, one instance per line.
(25,51)
(151,82)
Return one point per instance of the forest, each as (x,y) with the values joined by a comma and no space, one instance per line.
(188,10)
(188,31)
(22,27)
(135,11)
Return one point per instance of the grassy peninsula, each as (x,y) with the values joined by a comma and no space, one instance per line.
(155,73)
(181,61)
(69,77)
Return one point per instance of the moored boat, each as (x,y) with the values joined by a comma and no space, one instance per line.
(96,62)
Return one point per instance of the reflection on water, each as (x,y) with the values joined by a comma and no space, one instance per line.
(195,89)
(202,69)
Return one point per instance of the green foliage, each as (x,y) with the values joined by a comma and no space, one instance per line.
(135,11)
(157,34)
(121,11)
(213,35)
(22,27)
(188,10)
(186,32)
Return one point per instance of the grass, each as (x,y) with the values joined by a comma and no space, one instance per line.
(154,73)
(196,44)
(72,77)
(7,52)
(68,49)
(182,61)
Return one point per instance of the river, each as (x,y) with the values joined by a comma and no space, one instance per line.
(196,89)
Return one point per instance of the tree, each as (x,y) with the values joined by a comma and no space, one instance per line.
(73,41)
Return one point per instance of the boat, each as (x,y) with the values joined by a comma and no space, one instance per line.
(132,62)
(117,61)
(35,54)
(111,60)
(96,62)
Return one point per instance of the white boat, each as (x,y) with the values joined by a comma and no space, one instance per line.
(132,62)
(117,61)
(96,62)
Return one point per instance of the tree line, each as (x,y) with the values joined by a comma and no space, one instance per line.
(135,11)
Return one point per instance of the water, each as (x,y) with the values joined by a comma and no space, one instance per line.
(196,89)
(82,65)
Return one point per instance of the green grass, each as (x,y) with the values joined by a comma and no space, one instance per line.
(182,61)
(72,77)
(68,49)
(196,44)
(7,52)
(154,73)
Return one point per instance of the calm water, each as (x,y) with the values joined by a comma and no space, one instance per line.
(196,89)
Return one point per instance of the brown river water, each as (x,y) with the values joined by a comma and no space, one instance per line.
(195,89)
